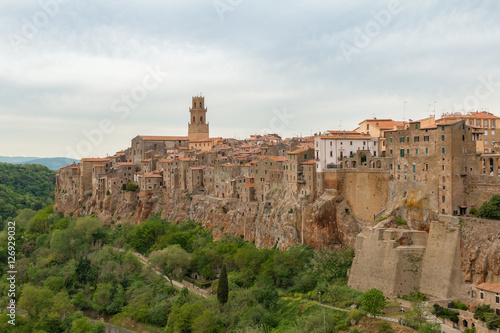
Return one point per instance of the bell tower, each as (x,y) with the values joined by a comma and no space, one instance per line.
(198,126)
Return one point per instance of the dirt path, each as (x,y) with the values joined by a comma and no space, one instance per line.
(176,284)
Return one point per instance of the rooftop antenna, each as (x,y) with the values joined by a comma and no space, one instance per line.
(435,108)
(404,111)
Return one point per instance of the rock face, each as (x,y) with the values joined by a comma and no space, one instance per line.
(281,220)
(480,250)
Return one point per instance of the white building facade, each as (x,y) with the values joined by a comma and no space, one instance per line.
(332,146)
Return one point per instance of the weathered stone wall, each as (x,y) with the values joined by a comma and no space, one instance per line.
(389,260)
(366,192)
(441,270)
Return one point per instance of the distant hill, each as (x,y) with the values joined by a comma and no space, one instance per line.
(53,163)
(25,186)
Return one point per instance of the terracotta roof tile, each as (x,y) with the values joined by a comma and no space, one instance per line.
(163,138)
(493,287)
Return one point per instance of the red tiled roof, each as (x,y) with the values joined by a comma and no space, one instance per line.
(163,138)
(298,151)
(201,140)
(96,159)
(493,287)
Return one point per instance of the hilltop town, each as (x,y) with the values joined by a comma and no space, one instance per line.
(336,188)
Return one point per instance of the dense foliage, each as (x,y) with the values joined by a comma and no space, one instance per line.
(71,269)
(488,315)
(24,186)
(491,209)
(445,313)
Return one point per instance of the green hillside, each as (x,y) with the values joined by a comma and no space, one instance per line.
(53,163)
(24,186)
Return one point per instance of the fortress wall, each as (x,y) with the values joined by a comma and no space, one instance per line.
(441,271)
(480,188)
(366,192)
(381,262)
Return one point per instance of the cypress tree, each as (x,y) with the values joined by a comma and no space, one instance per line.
(223,287)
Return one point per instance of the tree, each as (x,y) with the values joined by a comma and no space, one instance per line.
(373,301)
(223,286)
(35,300)
(170,261)
(491,209)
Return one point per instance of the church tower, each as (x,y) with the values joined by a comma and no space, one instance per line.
(198,127)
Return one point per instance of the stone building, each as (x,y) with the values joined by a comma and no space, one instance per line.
(262,173)
(376,128)
(440,156)
(194,179)
(294,169)
(489,294)
(488,122)
(145,143)
(198,128)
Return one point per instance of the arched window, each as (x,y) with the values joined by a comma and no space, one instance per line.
(201,119)
(200,104)
(193,120)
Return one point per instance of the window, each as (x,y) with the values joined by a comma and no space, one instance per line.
(485,143)
(416,126)
(427,150)
(485,132)
(402,153)
(390,151)
(407,139)
(401,139)
(442,138)
(478,123)
(463,137)
(426,167)
(351,143)
(416,151)
(367,127)
(390,166)
(416,139)
(486,123)
(390,139)
(442,150)
(492,132)
(331,154)
(442,128)
(497,299)
(413,168)
(492,124)
(330,143)
(399,166)
(471,122)
(442,166)
(364,143)
(481,294)
(426,138)
(408,151)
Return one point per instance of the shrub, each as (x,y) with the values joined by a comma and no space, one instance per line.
(459,305)
(384,327)
(474,211)
(429,328)
(445,313)
(400,221)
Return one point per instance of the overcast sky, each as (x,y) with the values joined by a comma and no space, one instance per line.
(82,78)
